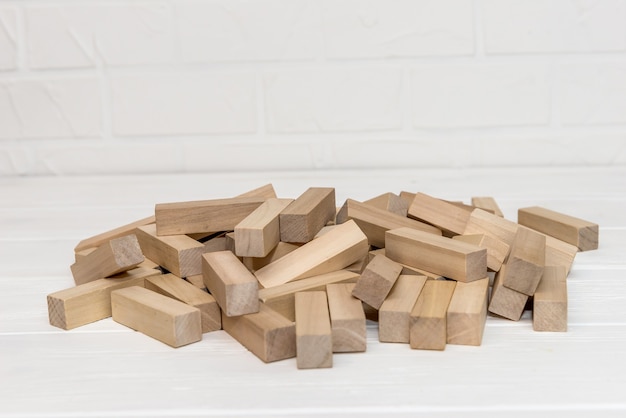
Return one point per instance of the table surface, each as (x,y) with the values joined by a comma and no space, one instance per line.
(105,369)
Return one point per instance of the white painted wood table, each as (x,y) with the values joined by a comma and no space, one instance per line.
(105,369)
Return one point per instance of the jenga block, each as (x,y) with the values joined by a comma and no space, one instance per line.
(390,202)
(347,319)
(428,328)
(376,281)
(314,343)
(335,250)
(179,289)
(203,215)
(526,261)
(395,312)
(467,313)
(575,231)
(266,192)
(406,269)
(281,249)
(146,263)
(115,256)
(443,215)
(267,334)
(453,259)
(214,244)
(197,280)
(235,289)
(407,197)
(374,222)
(359,265)
(506,302)
(91,301)
(560,253)
(258,233)
(497,250)
(229,241)
(305,216)
(550,301)
(483,222)
(282,298)
(488,204)
(165,319)
(80,255)
(98,240)
(179,254)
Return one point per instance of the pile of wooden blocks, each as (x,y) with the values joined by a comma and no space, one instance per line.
(300,277)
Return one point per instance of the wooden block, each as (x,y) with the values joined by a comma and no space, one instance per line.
(335,250)
(347,319)
(575,231)
(483,222)
(259,233)
(203,215)
(281,249)
(179,254)
(179,289)
(98,240)
(282,298)
(80,255)
(560,253)
(115,256)
(165,319)
(305,216)
(314,343)
(497,250)
(266,192)
(390,202)
(506,302)
(229,241)
(406,269)
(214,244)
(526,261)
(550,301)
(235,289)
(428,324)
(451,258)
(267,334)
(443,215)
(374,222)
(395,312)
(467,313)
(197,280)
(407,197)
(488,204)
(91,301)
(359,265)
(146,263)
(376,281)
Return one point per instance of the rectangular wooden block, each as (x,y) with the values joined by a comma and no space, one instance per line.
(390,202)
(487,203)
(98,240)
(451,258)
(314,343)
(550,301)
(91,301)
(442,214)
(376,281)
(266,192)
(304,217)
(467,312)
(575,231)
(526,261)
(428,324)
(259,233)
(560,253)
(347,319)
(197,280)
(483,222)
(266,333)
(281,249)
(497,250)
(179,289)
(235,289)
(506,302)
(395,312)
(165,319)
(406,269)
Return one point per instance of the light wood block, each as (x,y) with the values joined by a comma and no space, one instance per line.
(437,212)
(451,258)
(550,301)
(304,217)
(115,256)
(395,312)
(390,202)
(281,249)
(217,243)
(376,281)
(526,261)
(506,302)
(335,250)
(583,234)
(259,233)
(91,301)
(266,192)
(407,197)
(229,241)
(197,280)
(347,319)
(80,255)
(314,343)
(98,240)
(467,313)
(428,324)
(179,289)
(497,250)
(266,333)
(487,203)
(406,269)
(165,319)
(235,289)
(483,222)
(560,253)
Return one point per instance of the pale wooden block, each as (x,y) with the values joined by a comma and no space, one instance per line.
(579,232)
(359,265)
(304,217)
(406,269)
(235,289)
(526,261)
(91,301)
(407,197)
(451,258)
(488,204)
(165,319)
(505,302)
(442,214)
(497,250)
(229,241)
(428,323)
(550,301)
(560,253)
(483,222)
(98,240)
(314,343)
(81,254)
(395,312)
(179,289)
(266,333)
(467,313)
(376,281)
(347,319)
(335,250)
(146,263)
(259,233)
(266,192)
(281,249)
(390,202)
(197,280)
(114,256)
(216,243)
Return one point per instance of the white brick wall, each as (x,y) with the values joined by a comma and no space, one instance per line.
(142,86)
